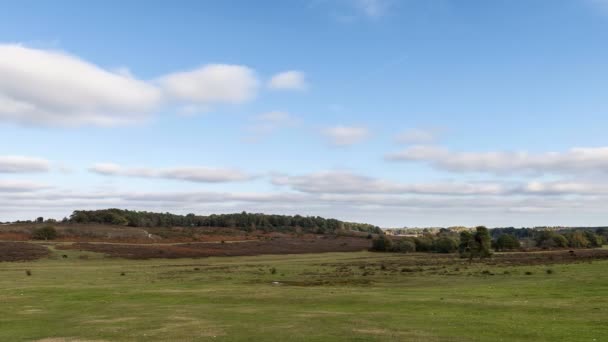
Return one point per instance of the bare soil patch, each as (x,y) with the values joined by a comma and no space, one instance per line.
(19,251)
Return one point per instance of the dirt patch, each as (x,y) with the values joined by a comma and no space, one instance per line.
(258,247)
(20,251)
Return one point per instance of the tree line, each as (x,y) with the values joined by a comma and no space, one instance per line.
(243,220)
(480,241)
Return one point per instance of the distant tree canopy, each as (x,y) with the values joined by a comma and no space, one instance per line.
(244,220)
(506,242)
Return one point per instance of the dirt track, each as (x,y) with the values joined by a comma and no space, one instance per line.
(19,251)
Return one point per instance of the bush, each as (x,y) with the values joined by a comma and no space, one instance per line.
(45,233)
(423,244)
(382,244)
(403,246)
(446,245)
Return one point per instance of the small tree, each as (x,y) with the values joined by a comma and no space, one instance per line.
(477,244)
(45,233)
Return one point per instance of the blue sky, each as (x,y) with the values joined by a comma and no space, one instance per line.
(397,113)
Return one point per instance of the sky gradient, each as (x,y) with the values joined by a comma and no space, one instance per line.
(396,113)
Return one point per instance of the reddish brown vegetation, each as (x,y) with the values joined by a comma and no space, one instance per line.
(191,250)
(18,251)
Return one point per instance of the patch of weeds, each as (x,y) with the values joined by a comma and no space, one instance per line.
(528,273)
(549,271)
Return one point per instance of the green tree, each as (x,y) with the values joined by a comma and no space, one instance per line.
(594,239)
(577,239)
(477,244)
(445,245)
(507,242)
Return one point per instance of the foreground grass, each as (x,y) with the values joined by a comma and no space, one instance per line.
(319,297)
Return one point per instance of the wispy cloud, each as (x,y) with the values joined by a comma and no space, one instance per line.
(21,164)
(417,136)
(192,174)
(265,124)
(373,8)
(575,160)
(346,135)
(288,80)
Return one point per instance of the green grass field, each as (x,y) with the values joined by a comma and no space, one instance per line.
(318,297)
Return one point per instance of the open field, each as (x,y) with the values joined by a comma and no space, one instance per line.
(308,297)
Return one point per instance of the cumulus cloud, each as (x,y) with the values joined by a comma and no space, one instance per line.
(49,87)
(191,174)
(21,164)
(575,160)
(213,83)
(345,135)
(288,80)
(53,87)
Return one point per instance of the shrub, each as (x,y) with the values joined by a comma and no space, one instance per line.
(446,245)
(45,233)
(382,244)
(403,246)
(549,271)
(423,244)
(273,270)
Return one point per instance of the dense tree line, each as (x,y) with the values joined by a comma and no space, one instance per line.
(244,220)
(479,242)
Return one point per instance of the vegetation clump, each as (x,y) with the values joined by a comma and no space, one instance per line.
(45,233)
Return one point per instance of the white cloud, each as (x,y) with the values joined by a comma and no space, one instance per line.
(384,209)
(20,186)
(21,164)
(191,174)
(48,87)
(416,136)
(575,160)
(210,84)
(345,135)
(52,87)
(288,80)
(344,182)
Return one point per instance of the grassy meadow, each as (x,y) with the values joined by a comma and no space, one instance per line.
(359,296)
